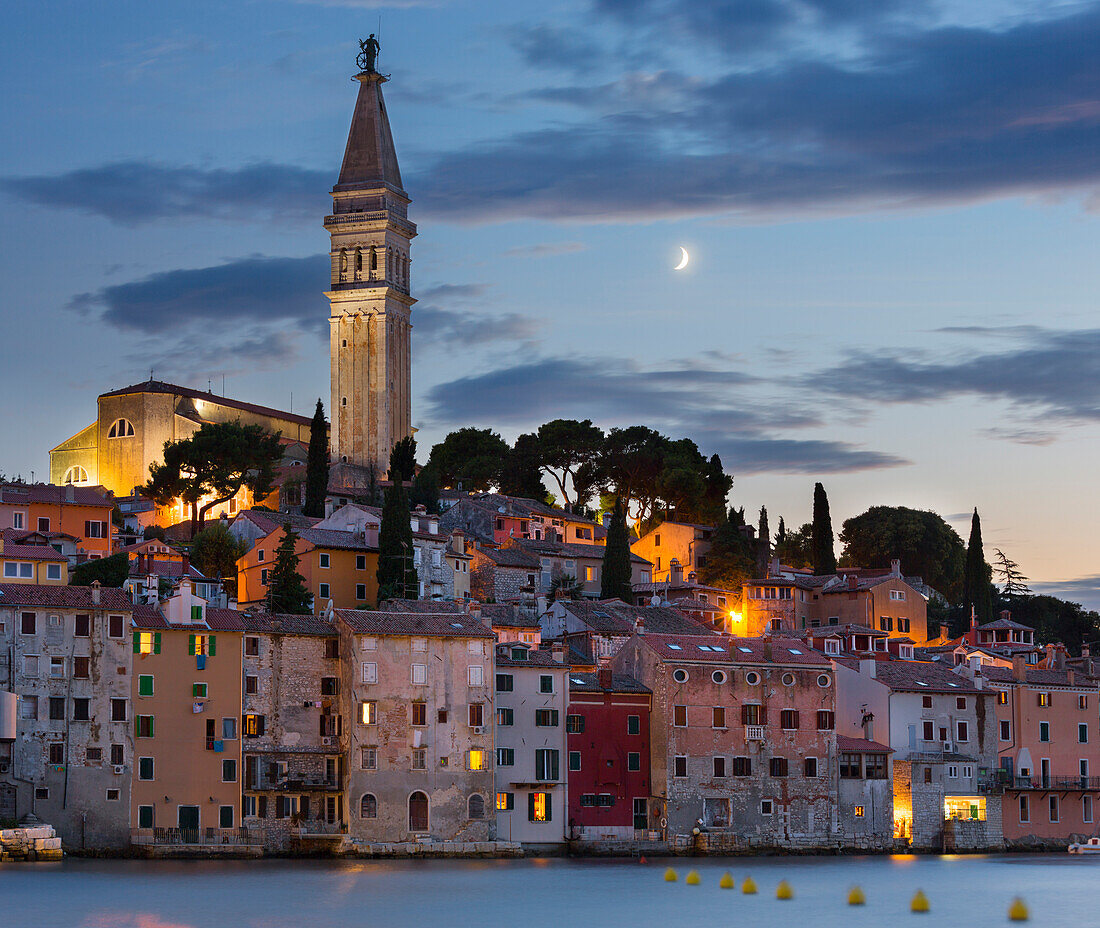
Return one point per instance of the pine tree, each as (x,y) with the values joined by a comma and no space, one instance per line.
(317,465)
(286,588)
(615,582)
(823,551)
(397,577)
(978,578)
(1009,573)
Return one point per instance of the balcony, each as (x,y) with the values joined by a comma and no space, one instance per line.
(267,782)
(197,837)
(1002,779)
(754,733)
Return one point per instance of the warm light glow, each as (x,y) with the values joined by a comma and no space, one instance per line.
(368,712)
(539,814)
(970,808)
(145,643)
(477,759)
(859,811)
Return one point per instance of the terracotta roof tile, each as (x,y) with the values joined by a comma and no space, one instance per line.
(224,620)
(921,677)
(52,493)
(285,624)
(590,683)
(158,386)
(428,625)
(31,553)
(79,597)
(861,746)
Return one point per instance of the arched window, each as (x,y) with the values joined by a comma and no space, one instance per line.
(75,474)
(477,806)
(343,263)
(358,262)
(418,812)
(121,428)
(368,806)
(373,258)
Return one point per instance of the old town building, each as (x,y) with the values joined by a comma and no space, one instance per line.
(682,543)
(63,515)
(493,519)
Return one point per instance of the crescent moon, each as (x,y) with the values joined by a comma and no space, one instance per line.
(684,258)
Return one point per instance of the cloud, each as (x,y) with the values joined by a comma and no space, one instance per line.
(253,289)
(1083,590)
(137,192)
(915,117)
(545,249)
(682,398)
(545,46)
(1051,373)
(435,326)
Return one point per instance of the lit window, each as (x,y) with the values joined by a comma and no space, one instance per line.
(368,712)
(506,802)
(146,642)
(476,759)
(538,807)
(859,811)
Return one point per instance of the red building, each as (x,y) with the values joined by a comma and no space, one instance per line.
(607,733)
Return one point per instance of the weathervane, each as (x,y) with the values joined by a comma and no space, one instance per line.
(368,54)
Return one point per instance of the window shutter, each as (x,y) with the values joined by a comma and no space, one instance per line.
(190,644)
(137,642)
(213,643)
(152,726)
(530,807)
(550,805)
(105,533)
(763,715)
(553,776)
(261,725)
(156,642)
(87,528)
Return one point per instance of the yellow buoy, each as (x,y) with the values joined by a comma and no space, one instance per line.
(748,887)
(784,891)
(726,882)
(1017,912)
(693,878)
(920,902)
(856,897)
(670,875)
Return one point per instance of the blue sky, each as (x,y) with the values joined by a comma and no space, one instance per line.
(891,210)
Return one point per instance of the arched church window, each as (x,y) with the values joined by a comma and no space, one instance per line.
(75,474)
(358,260)
(343,262)
(121,428)
(373,258)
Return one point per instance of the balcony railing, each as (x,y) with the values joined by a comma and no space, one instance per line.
(208,837)
(754,732)
(319,829)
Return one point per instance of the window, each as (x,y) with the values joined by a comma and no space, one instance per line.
(927,774)
(679,716)
(633,724)
(1006,731)
(229,771)
(42,792)
(368,758)
(57,707)
(809,767)
(960,702)
(546,718)
(475,674)
(876,766)
(251,647)
(1082,701)
(476,806)
(118,755)
(145,816)
(57,753)
(546,764)
(680,675)
(788,720)
(251,685)
(475,715)
(360,592)
(506,802)
(506,716)
(199,690)
(741,767)
(476,759)
(420,674)
(1082,733)
(962,731)
(1044,731)
(538,807)
(229,728)
(928,730)
(28,623)
(145,768)
(506,757)
(369,672)
(777,767)
(1053,808)
(368,806)
(360,562)
(574,724)
(323,560)
(82,710)
(263,576)
(145,726)
(719,767)
(766,807)
(120,428)
(752,714)
(851,766)
(633,761)
(718,717)
(441,716)
(1002,698)
(323,591)
(546,683)
(28,707)
(897,595)
(825,720)
(1025,811)
(420,759)
(118,710)
(504,683)
(368,712)
(53,571)
(1086,809)
(260,555)
(30,665)
(679,766)
(1044,699)
(368,643)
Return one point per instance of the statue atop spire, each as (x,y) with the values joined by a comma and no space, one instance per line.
(368,55)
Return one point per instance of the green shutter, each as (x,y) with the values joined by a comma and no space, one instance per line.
(196,613)
(145,685)
(152,726)
(156,642)
(137,642)
(190,644)
(213,643)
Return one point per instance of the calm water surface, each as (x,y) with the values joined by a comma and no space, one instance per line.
(965,892)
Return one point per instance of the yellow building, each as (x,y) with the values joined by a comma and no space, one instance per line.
(187,700)
(20,563)
(683,542)
(133,424)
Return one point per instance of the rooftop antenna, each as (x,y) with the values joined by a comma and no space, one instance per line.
(223,384)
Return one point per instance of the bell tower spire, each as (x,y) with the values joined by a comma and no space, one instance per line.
(369,321)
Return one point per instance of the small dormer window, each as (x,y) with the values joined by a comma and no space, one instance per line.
(519,654)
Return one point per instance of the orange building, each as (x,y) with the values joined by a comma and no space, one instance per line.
(82,512)
(186,692)
(683,542)
(338,567)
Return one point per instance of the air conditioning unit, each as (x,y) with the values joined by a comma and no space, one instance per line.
(479,730)
(948,748)
(326,741)
(4,766)
(120,769)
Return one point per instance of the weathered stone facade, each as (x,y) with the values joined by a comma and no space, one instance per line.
(293,764)
(70,663)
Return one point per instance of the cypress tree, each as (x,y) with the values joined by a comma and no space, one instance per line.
(822,537)
(317,465)
(397,577)
(780,533)
(763,543)
(286,588)
(615,582)
(978,578)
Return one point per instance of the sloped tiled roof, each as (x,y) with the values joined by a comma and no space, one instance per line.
(921,677)
(21,493)
(149,617)
(158,386)
(590,683)
(503,615)
(1039,676)
(1004,624)
(31,552)
(224,620)
(536,657)
(284,624)
(267,522)
(333,538)
(726,649)
(74,597)
(569,549)
(417,624)
(861,746)
(511,555)
(616,617)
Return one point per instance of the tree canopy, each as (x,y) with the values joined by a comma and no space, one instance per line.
(286,588)
(732,556)
(1055,620)
(397,577)
(924,543)
(795,549)
(977,575)
(214,551)
(615,572)
(317,465)
(821,534)
(215,462)
(470,457)
(109,571)
(562,447)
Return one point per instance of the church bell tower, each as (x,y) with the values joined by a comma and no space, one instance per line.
(369,296)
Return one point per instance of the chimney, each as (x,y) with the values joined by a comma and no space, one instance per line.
(1071,677)
(475,609)
(868,723)
(973,623)
(1006,614)
(1019,668)
(675,572)
(853,582)
(95,592)
(639,625)
(186,564)
(605,676)
(895,568)
(867,666)
(70,493)
(774,567)
(1085,650)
